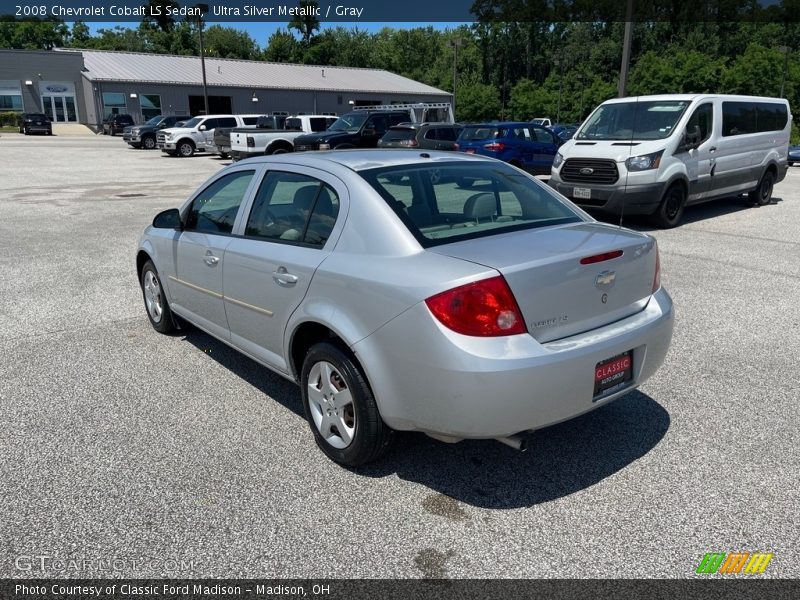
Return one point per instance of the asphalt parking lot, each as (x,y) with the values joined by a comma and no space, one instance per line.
(179,457)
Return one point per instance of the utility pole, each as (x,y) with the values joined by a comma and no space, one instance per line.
(626,50)
(455,44)
(203,9)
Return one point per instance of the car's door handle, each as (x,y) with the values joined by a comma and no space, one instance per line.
(712,149)
(210,259)
(283,277)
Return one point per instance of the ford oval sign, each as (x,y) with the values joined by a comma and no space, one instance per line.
(587,171)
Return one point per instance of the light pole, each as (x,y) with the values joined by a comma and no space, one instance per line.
(785,50)
(203,9)
(626,50)
(455,44)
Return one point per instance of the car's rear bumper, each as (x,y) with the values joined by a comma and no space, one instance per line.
(428,378)
(38,128)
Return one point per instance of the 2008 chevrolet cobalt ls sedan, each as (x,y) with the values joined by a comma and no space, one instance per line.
(453,295)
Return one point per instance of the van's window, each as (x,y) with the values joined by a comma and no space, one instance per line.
(650,120)
(455,201)
(703,119)
(752,117)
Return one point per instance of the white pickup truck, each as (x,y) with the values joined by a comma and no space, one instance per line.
(197,134)
(255,142)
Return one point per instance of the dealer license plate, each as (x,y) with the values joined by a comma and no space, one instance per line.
(583,193)
(613,372)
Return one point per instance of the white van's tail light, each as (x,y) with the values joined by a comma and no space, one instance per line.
(485,308)
(657,276)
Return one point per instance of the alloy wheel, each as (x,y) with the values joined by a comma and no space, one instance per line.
(331,405)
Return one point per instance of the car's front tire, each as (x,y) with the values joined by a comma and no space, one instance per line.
(148,142)
(669,212)
(340,407)
(155,301)
(186,149)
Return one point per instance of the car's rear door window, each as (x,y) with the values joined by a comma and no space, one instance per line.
(214,209)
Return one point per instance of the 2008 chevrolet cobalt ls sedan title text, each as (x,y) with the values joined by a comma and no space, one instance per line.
(453,295)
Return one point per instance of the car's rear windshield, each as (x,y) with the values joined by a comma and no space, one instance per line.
(442,203)
(484,132)
(397,134)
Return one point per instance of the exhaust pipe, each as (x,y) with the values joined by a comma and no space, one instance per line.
(514,441)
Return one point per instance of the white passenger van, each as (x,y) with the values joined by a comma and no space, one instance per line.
(657,154)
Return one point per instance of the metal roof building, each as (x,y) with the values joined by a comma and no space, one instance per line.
(144,85)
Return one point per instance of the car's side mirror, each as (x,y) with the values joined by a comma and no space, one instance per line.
(162,125)
(369,132)
(201,128)
(691,138)
(168,219)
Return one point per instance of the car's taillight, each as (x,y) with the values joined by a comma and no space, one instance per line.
(657,276)
(485,308)
(251,142)
(495,146)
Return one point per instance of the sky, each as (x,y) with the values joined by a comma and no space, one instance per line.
(260,31)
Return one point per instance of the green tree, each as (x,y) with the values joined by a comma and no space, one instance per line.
(282,47)
(226,42)
(477,101)
(306,23)
(32,34)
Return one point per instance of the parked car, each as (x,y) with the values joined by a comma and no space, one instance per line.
(366,125)
(428,136)
(565,132)
(144,136)
(196,134)
(35,122)
(276,135)
(655,155)
(524,145)
(115,124)
(794,155)
(397,303)
(222,135)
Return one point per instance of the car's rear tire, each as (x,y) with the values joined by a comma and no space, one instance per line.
(762,195)
(670,210)
(148,142)
(224,155)
(155,301)
(279,151)
(340,407)
(185,149)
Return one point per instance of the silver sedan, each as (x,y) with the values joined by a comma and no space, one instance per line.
(449,294)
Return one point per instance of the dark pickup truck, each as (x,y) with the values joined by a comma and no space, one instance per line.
(144,136)
(222,135)
(357,129)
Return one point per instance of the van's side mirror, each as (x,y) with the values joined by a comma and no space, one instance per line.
(691,138)
(168,219)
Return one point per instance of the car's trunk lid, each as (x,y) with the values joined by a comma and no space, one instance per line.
(559,296)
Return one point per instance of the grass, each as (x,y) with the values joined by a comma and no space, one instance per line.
(9,129)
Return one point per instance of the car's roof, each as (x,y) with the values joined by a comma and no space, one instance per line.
(360,160)
(501,124)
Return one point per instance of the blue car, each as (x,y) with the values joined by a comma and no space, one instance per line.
(525,145)
(794,155)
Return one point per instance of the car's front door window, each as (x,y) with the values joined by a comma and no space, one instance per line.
(214,209)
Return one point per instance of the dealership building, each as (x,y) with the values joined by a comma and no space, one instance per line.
(86,86)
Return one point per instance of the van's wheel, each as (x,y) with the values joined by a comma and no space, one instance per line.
(186,149)
(669,212)
(340,407)
(155,301)
(148,142)
(762,195)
